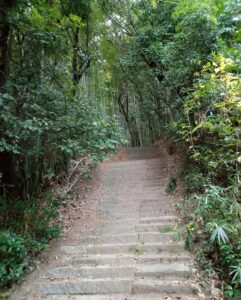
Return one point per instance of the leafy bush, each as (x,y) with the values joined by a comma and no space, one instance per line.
(194,180)
(212,128)
(216,217)
(14,256)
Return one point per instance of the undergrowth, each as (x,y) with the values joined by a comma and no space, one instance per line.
(213,216)
(26,228)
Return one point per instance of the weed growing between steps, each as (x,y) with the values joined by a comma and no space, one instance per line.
(136,250)
(168,229)
(171,186)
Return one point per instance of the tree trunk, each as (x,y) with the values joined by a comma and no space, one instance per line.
(5,6)
(6,161)
(75,57)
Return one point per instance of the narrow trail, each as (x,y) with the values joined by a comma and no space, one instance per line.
(133,252)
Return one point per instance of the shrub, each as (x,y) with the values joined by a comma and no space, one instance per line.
(14,256)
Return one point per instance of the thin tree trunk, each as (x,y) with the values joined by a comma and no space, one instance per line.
(6,161)
(5,6)
(75,57)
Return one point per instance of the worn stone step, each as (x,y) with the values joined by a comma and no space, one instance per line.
(163,258)
(153,189)
(114,225)
(124,221)
(160,219)
(155,237)
(120,216)
(141,177)
(94,272)
(121,297)
(124,248)
(85,287)
(122,260)
(151,210)
(152,184)
(109,239)
(123,210)
(151,214)
(157,227)
(141,286)
(168,271)
(87,297)
(119,205)
(117,230)
(98,260)
(160,296)
(151,202)
(130,194)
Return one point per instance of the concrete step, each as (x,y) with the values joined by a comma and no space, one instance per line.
(94,272)
(150,211)
(115,230)
(168,271)
(150,248)
(122,210)
(155,237)
(151,214)
(119,206)
(184,288)
(120,216)
(121,297)
(122,260)
(94,260)
(151,202)
(160,219)
(146,237)
(120,222)
(109,239)
(160,296)
(87,297)
(163,258)
(157,227)
(85,287)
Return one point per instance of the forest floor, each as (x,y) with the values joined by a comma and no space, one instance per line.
(122,241)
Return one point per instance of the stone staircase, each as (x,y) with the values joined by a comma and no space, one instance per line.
(136,253)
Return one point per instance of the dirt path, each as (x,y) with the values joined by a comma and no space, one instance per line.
(130,249)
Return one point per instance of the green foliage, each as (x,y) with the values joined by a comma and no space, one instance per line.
(236,273)
(13,251)
(211,127)
(218,233)
(167,229)
(216,216)
(172,184)
(55,107)
(194,180)
(137,250)
(14,255)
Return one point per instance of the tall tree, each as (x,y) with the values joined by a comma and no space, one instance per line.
(5,7)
